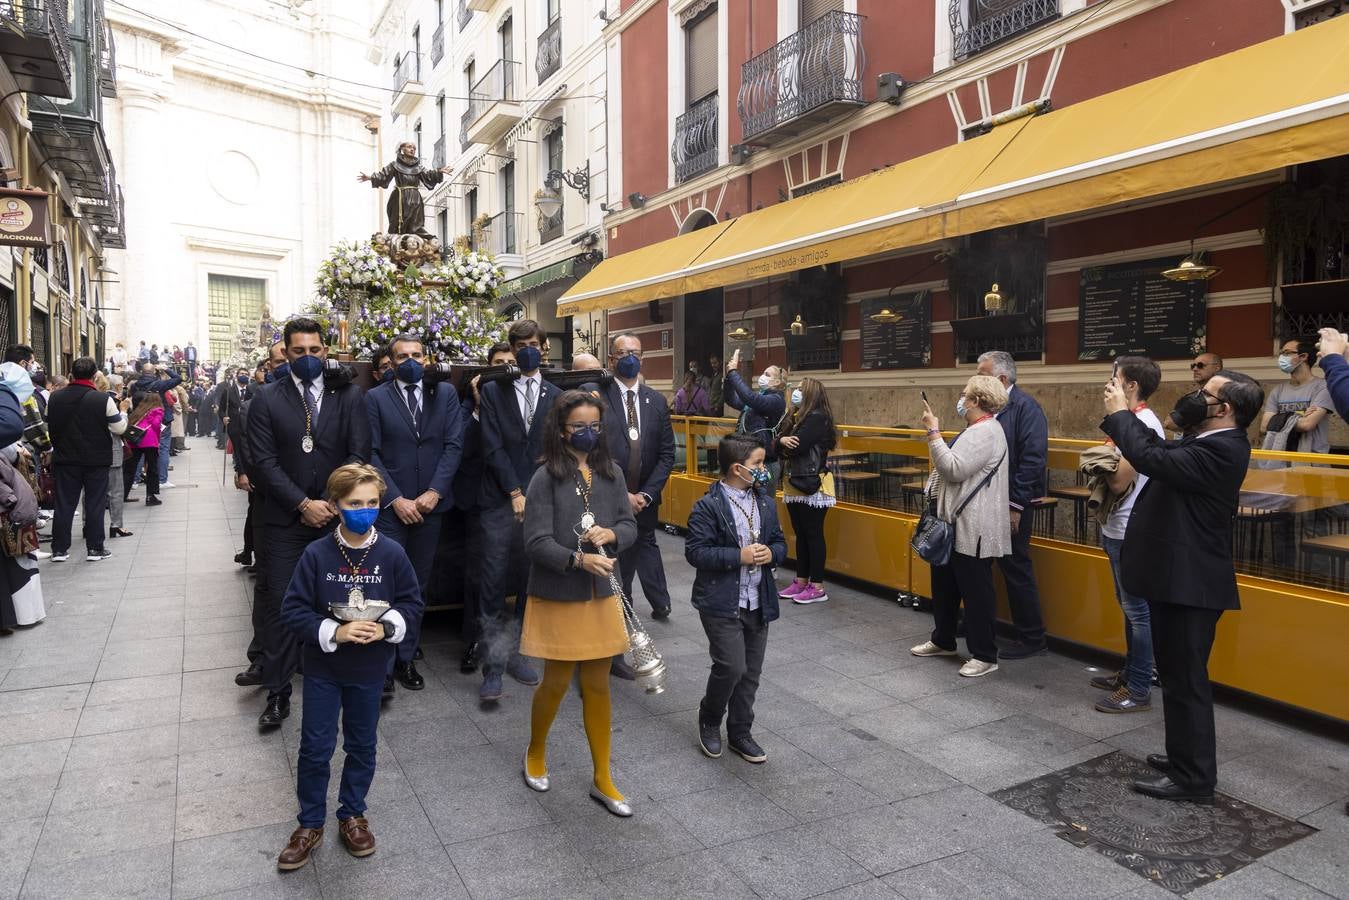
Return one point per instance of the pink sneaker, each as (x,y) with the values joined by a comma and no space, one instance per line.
(792,589)
(811,594)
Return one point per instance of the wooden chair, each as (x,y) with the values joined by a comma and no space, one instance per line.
(1336,546)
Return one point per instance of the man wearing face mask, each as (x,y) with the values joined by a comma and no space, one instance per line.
(760,410)
(232,401)
(415,443)
(641,441)
(1302,399)
(299,430)
(1178,554)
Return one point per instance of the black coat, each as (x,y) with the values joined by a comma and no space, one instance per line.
(468,479)
(275,431)
(510,451)
(1027,431)
(760,413)
(713,548)
(657,443)
(1178,546)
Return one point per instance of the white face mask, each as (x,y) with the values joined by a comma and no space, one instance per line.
(765,382)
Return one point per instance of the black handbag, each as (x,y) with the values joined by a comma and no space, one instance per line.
(133,435)
(933,537)
(804,470)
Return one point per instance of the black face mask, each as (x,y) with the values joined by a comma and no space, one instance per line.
(1190,411)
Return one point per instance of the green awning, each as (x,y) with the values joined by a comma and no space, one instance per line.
(539,277)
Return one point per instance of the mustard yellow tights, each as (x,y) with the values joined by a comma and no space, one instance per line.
(595,713)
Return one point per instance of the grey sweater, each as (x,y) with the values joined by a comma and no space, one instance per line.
(553,509)
(985,528)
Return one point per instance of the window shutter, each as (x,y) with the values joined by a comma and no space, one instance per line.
(813,9)
(701,36)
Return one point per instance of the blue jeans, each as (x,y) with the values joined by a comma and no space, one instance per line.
(165,442)
(1137,627)
(358,706)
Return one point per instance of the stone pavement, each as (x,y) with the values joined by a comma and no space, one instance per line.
(130,763)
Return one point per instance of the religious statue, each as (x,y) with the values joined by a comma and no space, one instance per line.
(407,210)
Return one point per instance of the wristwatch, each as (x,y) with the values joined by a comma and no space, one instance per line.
(389,630)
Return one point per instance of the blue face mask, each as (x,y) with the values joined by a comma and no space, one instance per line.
(1288,364)
(528,358)
(279,373)
(242,379)
(359,521)
(16,378)
(307,367)
(628,366)
(758,477)
(409,371)
(386,375)
(584,440)
(960,406)
(796,397)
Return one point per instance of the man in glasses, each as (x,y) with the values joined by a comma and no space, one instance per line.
(1204,367)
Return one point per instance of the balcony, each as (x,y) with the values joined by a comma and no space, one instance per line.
(407,83)
(809,77)
(438,45)
(107,62)
(465,14)
(549,58)
(977,25)
(494,103)
(464,142)
(500,236)
(35,46)
(109,218)
(694,150)
(76,147)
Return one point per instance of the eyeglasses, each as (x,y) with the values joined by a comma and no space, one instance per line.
(1199,365)
(578,427)
(620,355)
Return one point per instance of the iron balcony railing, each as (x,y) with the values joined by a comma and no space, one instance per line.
(41,20)
(438,45)
(979,24)
(438,152)
(407,68)
(107,62)
(819,65)
(695,145)
(500,235)
(464,120)
(499,85)
(549,58)
(465,14)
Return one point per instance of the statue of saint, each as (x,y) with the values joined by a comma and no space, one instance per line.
(407,210)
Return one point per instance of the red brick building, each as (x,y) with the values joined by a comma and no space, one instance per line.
(829,159)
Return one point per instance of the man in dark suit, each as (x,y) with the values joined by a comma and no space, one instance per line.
(300,428)
(511,416)
(415,442)
(641,441)
(1027,431)
(1178,553)
(233,398)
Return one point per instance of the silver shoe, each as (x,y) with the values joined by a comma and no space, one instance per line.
(619,808)
(540,784)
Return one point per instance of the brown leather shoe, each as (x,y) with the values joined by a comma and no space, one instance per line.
(357,837)
(296,854)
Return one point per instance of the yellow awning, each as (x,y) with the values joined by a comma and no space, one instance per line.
(639,275)
(1254,110)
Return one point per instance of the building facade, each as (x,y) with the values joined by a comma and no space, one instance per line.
(511,95)
(739,126)
(239,130)
(57,67)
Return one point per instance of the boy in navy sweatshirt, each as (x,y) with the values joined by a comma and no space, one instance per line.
(345,662)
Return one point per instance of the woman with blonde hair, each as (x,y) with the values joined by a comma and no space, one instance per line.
(968,486)
(807,436)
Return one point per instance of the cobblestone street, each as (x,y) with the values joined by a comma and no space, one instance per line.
(130,763)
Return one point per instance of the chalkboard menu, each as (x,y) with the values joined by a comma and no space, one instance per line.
(905,344)
(1130,308)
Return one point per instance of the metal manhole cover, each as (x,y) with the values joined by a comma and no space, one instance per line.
(1178,846)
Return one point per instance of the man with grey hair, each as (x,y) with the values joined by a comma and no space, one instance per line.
(1027,431)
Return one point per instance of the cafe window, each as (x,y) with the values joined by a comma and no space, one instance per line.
(1016,260)
(1306,231)
(701,56)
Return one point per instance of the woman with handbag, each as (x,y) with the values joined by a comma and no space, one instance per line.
(577,520)
(112,386)
(142,436)
(967,490)
(807,437)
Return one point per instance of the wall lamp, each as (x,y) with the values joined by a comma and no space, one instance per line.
(636,199)
(549,200)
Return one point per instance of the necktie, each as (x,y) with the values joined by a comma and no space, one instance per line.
(530,403)
(634,469)
(413,407)
(311,404)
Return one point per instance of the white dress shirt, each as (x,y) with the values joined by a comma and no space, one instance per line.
(403,393)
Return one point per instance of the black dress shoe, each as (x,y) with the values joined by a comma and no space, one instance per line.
(244,558)
(388,687)
(468,664)
(619,668)
(660,613)
(409,677)
(1019,650)
(1165,789)
(709,738)
(250,677)
(747,749)
(1160,761)
(278,709)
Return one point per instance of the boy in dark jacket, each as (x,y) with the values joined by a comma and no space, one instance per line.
(345,662)
(735,542)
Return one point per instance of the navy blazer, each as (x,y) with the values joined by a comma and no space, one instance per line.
(413,461)
(1178,545)
(1027,431)
(510,450)
(275,430)
(468,479)
(657,442)
(761,412)
(713,548)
